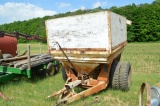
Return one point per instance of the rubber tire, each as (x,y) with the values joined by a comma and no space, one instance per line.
(125,76)
(58,66)
(114,74)
(64,75)
(50,68)
(111,74)
(6,56)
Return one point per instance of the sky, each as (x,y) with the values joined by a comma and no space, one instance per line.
(19,10)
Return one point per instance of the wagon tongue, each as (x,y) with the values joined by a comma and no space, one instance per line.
(73,84)
(65,93)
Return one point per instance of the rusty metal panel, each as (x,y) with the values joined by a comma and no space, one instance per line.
(8,45)
(83,68)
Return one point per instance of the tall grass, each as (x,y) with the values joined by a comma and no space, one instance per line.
(35,48)
(145,61)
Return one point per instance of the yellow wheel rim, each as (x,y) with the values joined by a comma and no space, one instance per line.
(52,71)
(60,67)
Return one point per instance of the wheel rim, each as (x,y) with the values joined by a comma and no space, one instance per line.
(52,70)
(129,77)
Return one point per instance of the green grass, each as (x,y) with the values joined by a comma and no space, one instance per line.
(35,48)
(145,61)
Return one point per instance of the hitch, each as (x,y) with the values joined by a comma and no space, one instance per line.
(67,96)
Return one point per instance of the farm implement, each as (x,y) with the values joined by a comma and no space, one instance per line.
(90,48)
(13,65)
(152,95)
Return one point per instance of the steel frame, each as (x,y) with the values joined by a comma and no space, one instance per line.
(68,94)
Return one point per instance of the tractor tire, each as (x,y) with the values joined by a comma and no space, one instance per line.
(125,76)
(6,56)
(64,75)
(114,75)
(111,74)
(58,66)
(51,69)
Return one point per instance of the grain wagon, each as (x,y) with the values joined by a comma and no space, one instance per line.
(89,47)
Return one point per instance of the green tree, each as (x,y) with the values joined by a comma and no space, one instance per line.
(145,22)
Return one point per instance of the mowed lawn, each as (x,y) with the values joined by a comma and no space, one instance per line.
(145,61)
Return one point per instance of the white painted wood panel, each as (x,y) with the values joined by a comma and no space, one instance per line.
(87,31)
(82,31)
(118,29)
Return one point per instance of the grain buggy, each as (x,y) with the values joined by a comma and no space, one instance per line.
(13,65)
(90,48)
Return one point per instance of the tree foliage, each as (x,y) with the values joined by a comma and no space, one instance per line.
(145,22)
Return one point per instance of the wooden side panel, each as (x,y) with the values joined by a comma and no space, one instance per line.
(118,29)
(82,31)
(88,37)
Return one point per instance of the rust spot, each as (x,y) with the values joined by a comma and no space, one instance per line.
(11,43)
(82,52)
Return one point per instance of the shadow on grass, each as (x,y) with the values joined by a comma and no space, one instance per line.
(97,98)
(35,78)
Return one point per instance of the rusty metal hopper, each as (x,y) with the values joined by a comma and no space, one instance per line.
(83,68)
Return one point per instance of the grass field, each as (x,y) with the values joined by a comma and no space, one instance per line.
(145,61)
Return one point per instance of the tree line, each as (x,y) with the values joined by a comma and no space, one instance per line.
(145,22)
